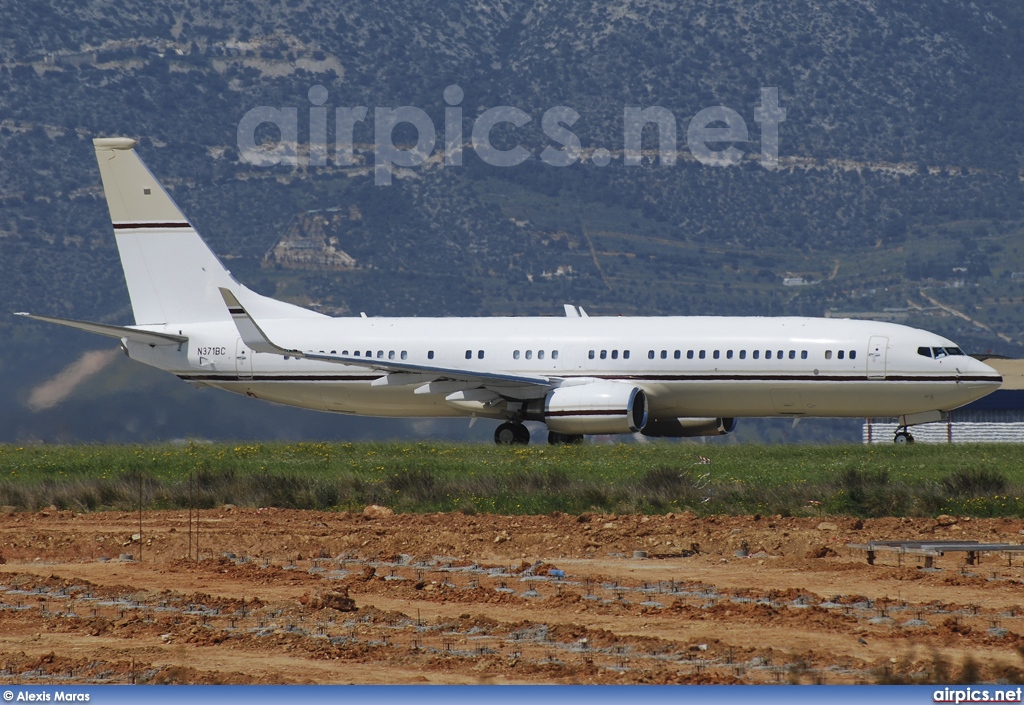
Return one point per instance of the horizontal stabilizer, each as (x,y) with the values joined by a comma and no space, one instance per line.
(139,336)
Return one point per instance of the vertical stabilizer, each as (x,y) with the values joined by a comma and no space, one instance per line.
(172,275)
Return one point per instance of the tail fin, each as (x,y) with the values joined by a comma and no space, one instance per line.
(172,275)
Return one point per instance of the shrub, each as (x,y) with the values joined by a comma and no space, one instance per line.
(974,483)
(871,493)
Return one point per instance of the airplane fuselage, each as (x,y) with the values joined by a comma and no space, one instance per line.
(687,366)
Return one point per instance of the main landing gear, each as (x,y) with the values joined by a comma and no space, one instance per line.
(902,436)
(511,433)
(555,438)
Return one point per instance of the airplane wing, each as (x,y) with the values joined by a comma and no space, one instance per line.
(254,337)
(140,336)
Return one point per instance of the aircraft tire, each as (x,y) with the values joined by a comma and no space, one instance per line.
(509,433)
(903,438)
(505,435)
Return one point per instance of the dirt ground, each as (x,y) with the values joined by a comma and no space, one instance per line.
(281,596)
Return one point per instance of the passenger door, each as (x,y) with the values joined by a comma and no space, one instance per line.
(878,348)
(243,360)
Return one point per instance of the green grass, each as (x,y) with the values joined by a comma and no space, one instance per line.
(426,477)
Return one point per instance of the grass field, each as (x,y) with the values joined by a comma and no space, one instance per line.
(426,477)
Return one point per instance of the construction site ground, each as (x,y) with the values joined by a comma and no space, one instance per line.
(286,596)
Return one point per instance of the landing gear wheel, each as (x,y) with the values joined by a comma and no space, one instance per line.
(555,438)
(903,438)
(510,433)
(505,435)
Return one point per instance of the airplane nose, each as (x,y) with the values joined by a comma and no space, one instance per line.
(975,380)
(987,374)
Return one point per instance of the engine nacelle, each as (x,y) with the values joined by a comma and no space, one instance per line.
(596,407)
(688,428)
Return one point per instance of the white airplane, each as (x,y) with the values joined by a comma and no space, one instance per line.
(659,376)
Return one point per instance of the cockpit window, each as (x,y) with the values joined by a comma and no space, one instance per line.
(939,353)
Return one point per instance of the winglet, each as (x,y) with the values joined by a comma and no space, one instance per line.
(234,306)
(252,335)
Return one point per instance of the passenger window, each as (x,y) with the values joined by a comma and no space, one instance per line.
(480,354)
(343,352)
(743,354)
(650,355)
(853,354)
(591,354)
(529,354)
(715,354)
(689,354)
(405,354)
(604,354)
(757,354)
(767,354)
(380,354)
(391,354)
(469,354)
(334,352)
(840,354)
(701,355)
(625,354)
(828,354)
(780,354)
(803,354)
(615,354)
(515,354)
(369,353)
(430,354)
(664,354)
(540,354)
(728,354)
(792,354)
(926,352)
(677,355)
(554,354)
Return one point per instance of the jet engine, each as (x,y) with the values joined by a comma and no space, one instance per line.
(688,427)
(595,407)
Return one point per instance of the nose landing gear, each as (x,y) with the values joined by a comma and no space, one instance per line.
(902,436)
